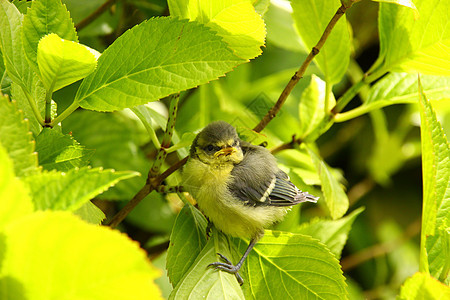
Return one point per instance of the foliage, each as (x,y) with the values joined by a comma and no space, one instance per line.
(78,126)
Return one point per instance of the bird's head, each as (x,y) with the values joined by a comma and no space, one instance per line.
(217,144)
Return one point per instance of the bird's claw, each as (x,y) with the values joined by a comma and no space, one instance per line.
(228,267)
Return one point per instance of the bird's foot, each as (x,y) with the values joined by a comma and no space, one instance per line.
(228,267)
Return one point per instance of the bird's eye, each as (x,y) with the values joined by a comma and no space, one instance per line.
(209,148)
(235,144)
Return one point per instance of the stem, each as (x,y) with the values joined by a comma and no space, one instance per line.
(33,106)
(301,71)
(65,113)
(348,96)
(48,106)
(89,19)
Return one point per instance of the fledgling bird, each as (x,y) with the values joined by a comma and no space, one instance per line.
(238,186)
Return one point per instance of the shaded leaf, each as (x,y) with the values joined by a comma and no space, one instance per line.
(60,151)
(234,20)
(333,233)
(69,191)
(311,18)
(14,194)
(55,254)
(200,282)
(90,213)
(16,138)
(186,242)
(44,17)
(62,62)
(176,55)
(335,197)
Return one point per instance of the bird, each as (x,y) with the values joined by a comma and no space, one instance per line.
(238,186)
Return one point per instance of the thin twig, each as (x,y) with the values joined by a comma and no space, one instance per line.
(89,19)
(290,145)
(301,71)
(364,255)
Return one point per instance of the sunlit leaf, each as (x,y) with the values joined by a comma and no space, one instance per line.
(186,242)
(44,17)
(69,191)
(422,286)
(14,195)
(62,62)
(55,255)
(406,3)
(287,265)
(234,20)
(311,18)
(332,233)
(16,138)
(156,58)
(413,45)
(90,213)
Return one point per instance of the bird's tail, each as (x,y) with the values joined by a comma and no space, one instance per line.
(305,197)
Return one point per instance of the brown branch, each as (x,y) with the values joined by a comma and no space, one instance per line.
(301,71)
(89,19)
(364,255)
(151,185)
(290,145)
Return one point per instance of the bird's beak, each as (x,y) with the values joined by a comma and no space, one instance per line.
(225,152)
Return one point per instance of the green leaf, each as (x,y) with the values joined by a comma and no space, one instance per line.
(436,179)
(69,191)
(115,140)
(312,110)
(175,56)
(16,138)
(5,81)
(15,200)
(62,62)
(60,151)
(54,255)
(413,45)
(281,29)
(234,20)
(423,286)
(44,17)
(311,18)
(90,213)
(332,233)
(187,240)
(406,3)
(200,282)
(333,192)
(291,266)
(398,88)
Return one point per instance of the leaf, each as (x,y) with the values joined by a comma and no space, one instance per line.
(436,177)
(15,200)
(291,266)
(60,151)
(423,286)
(115,140)
(5,81)
(16,138)
(234,20)
(281,29)
(413,45)
(156,58)
(44,17)
(312,110)
(89,212)
(62,62)
(69,191)
(333,233)
(55,255)
(200,282)
(187,240)
(406,3)
(311,18)
(335,197)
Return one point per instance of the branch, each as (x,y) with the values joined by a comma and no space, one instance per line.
(89,19)
(290,145)
(301,71)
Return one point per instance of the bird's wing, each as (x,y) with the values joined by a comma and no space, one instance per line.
(258,181)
